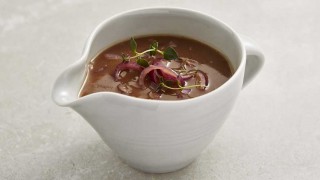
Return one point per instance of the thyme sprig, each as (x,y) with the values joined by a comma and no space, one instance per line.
(169,53)
(181,87)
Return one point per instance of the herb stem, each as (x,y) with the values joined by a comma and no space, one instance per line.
(161,52)
(181,87)
(169,53)
(146,51)
(139,54)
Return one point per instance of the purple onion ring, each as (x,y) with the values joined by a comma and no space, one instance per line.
(167,74)
(202,79)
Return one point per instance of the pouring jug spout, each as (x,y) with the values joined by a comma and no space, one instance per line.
(66,88)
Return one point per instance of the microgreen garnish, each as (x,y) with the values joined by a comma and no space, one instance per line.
(142,62)
(133,45)
(169,53)
(157,71)
(154,46)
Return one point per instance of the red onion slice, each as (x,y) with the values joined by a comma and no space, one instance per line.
(154,76)
(186,77)
(126,66)
(202,79)
(167,73)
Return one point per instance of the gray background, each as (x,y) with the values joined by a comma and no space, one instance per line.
(272,133)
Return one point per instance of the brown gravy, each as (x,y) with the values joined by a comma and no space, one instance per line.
(101,69)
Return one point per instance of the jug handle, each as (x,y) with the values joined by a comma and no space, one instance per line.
(254,61)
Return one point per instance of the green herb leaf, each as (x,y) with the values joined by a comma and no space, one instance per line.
(133,45)
(154,46)
(170,54)
(142,62)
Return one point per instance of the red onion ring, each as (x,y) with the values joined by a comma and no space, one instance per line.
(202,79)
(186,77)
(166,73)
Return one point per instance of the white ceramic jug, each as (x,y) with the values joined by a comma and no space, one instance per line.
(154,135)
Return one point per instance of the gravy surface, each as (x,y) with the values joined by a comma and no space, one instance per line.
(101,69)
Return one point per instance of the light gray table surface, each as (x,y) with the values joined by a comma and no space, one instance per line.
(273,131)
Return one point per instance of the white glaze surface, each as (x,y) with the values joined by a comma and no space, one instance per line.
(272,133)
